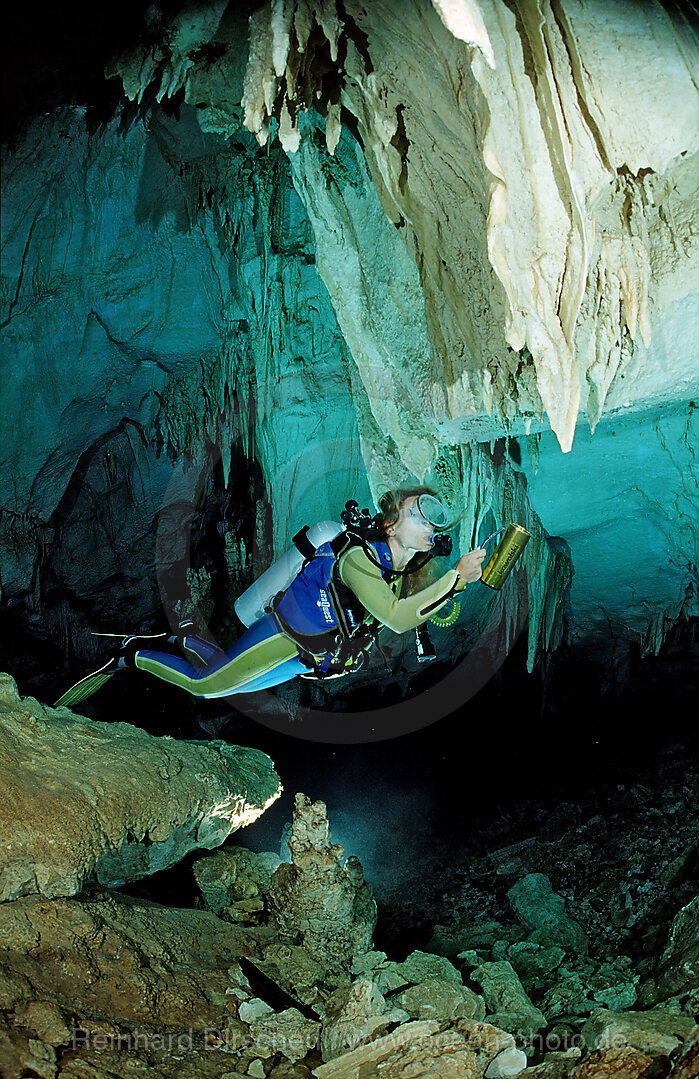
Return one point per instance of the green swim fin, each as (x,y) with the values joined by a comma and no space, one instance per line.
(92,682)
(88,685)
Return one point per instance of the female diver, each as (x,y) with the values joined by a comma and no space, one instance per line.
(328,617)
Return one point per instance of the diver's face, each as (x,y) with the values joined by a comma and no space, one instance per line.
(411,530)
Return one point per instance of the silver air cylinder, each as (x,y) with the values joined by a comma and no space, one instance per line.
(251,605)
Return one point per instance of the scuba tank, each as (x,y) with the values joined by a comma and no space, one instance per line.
(251,605)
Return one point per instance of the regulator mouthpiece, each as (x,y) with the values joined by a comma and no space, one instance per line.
(500,564)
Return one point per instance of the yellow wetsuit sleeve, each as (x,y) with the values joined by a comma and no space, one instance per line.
(364,579)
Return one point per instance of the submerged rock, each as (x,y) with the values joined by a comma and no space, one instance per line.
(438,999)
(134,961)
(658,1032)
(296,971)
(569,996)
(509,1006)
(424,1048)
(234,883)
(286,1032)
(678,970)
(355,1015)
(534,964)
(417,968)
(107,802)
(541,911)
(624,1063)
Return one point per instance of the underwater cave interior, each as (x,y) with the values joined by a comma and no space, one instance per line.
(225,314)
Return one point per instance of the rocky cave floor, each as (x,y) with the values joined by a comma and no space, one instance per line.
(548,935)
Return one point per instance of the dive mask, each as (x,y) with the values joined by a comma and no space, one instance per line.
(431,510)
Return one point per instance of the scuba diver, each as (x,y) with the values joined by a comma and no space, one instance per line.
(328,617)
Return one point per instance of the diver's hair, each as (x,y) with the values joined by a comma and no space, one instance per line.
(391,501)
(389,505)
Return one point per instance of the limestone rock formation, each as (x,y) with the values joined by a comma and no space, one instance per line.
(305,977)
(117,986)
(517,126)
(107,803)
(456,139)
(155,360)
(678,969)
(534,963)
(622,994)
(426,1049)
(507,1005)
(437,999)
(354,1015)
(657,1032)
(541,911)
(418,967)
(108,984)
(111,956)
(315,900)
(234,883)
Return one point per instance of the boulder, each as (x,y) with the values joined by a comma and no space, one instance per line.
(297,972)
(437,999)
(315,900)
(613,985)
(509,1062)
(355,1015)
(678,969)
(546,1070)
(367,961)
(286,1032)
(417,968)
(253,1010)
(63,961)
(568,996)
(234,882)
(686,1066)
(508,1005)
(107,802)
(426,1049)
(624,1063)
(658,1032)
(480,936)
(534,964)
(543,913)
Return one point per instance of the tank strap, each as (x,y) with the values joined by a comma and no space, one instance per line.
(302,543)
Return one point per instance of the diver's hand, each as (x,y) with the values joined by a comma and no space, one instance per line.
(469,565)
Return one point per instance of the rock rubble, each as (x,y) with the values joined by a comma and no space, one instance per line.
(110,985)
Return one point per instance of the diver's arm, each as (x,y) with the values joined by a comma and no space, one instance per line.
(360,575)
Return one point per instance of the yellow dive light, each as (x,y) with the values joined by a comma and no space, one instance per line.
(503,558)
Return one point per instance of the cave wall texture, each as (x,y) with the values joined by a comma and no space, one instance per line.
(321,248)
